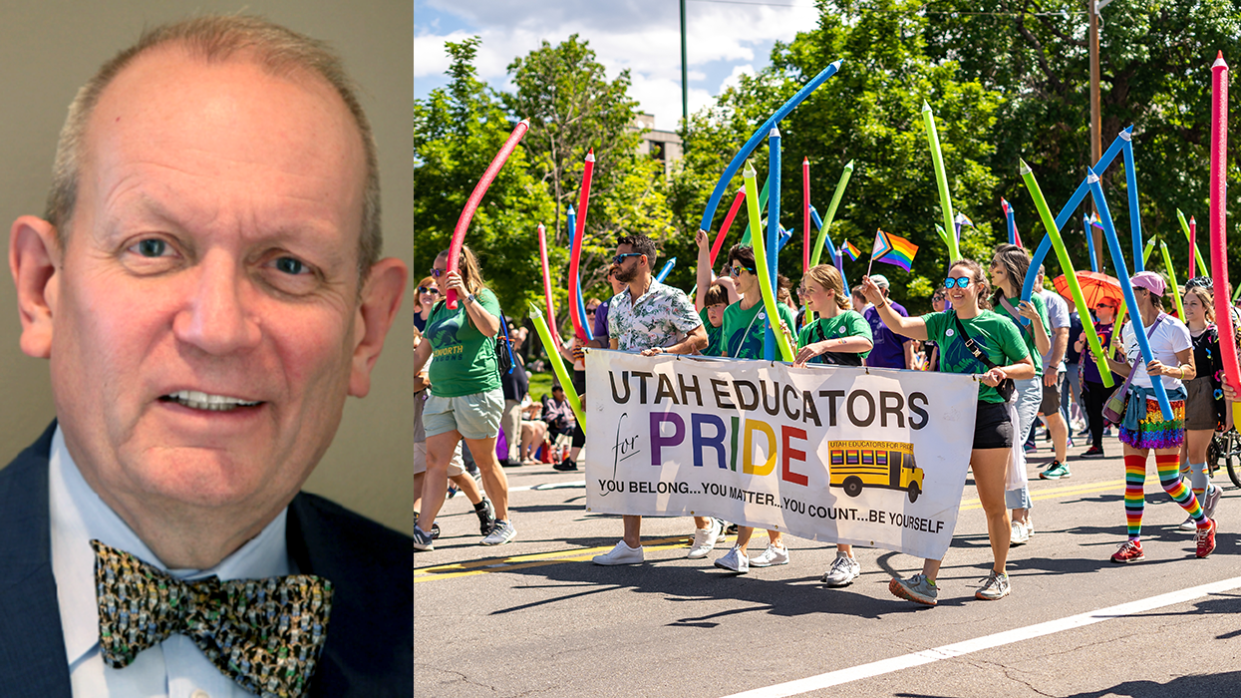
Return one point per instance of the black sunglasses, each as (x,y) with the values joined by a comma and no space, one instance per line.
(429,289)
(620,258)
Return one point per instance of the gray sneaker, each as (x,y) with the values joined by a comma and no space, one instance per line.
(501,533)
(422,540)
(996,587)
(1210,501)
(917,588)
(844,570)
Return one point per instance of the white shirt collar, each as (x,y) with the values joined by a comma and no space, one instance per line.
(78,515)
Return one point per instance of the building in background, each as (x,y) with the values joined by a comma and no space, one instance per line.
(664,146)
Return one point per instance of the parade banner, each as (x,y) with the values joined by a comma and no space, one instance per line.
(871,457)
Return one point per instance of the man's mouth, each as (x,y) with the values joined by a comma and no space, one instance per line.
(204,401)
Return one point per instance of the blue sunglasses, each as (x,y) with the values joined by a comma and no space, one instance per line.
(959,282)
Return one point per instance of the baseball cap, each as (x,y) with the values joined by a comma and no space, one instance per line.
(1148,280)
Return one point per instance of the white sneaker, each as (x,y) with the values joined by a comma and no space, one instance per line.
(1211,501)
(1188,525)
(772,556)
(1021,534)
(705,540)
(1029,525)
(622,554)
(844,570)
(734,560)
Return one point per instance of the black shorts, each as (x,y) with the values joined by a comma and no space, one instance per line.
(992,427)
(579,382)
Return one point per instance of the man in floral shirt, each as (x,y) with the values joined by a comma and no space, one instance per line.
(650,318)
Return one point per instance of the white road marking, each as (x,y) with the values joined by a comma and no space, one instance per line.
(550,486)
(1007,637)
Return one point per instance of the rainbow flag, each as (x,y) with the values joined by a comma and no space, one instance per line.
(851,250)
(1094,221)
(893,249)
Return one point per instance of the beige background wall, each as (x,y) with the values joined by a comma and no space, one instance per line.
(50,47)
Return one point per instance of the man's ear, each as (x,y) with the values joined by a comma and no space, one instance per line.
(33,254)
(381,300)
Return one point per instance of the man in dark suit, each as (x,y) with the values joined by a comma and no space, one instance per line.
(206,284)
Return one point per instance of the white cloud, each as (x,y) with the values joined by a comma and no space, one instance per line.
(640,35)
(734,78)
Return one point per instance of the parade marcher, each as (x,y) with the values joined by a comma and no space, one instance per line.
(652,319)
(1053,380)
(1094,393)
(1006,358)
(1205,411)
(1145,428)
(428,292)
(745,331)
(839,336)
(1008,268)
(466,399)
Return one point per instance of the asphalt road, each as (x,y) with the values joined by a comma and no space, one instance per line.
(536,618)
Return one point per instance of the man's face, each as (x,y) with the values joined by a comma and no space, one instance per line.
(205,308)
(627,270)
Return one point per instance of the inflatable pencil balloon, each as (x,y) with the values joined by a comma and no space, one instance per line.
(1126,287)
(1176,289)
(547,283)
(824,226)
(941,179)
(1219,216)
(471,204)
(553,355)
(759,134)
(760,263)
(1070,274)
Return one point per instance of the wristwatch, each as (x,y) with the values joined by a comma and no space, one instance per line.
(470,298)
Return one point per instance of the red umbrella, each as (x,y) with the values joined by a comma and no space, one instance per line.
(1096,287)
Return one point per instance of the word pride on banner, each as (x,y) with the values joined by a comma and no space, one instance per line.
(838,454)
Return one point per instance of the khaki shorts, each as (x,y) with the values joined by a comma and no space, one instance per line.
(456,466)
(475,416)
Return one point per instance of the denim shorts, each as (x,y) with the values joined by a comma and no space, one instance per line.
(475,416)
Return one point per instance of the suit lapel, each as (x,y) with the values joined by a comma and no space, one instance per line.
(32,644)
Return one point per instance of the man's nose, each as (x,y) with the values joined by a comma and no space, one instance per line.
(218,315)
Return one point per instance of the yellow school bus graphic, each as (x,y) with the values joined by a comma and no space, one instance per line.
(886,464)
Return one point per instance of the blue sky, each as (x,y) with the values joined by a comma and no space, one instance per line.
(725,38)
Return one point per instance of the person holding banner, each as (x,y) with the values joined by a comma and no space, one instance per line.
(466,399)
(972,339)
(651,318)
(745,329)
(1205,409)
(841,337)
(1144,428)
(1009,265)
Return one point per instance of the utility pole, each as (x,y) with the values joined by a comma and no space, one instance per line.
(684,74)
(1096,121)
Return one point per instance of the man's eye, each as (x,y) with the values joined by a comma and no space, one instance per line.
(290,265)
(152,248)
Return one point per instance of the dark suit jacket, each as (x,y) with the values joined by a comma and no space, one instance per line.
(369,648)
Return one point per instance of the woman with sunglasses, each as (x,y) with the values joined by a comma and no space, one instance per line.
(839,337)
(1145,428)
(993,428)
(1204,402)
(466,400)
(1009,266)
(428,295)
(744,337)
(1094,393)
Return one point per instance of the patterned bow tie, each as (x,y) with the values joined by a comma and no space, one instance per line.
(265,634)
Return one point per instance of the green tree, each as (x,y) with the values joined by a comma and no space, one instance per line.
(869,112)
(457,131)
(572,108)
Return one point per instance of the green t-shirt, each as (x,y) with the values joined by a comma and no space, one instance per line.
(846,324)
(1027,330)
(992,332)
(715,335)
(745,331)
(463,359)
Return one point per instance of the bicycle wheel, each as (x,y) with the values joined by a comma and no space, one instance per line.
(1232,459)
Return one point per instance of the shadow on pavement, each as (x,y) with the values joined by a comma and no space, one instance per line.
(1197,685)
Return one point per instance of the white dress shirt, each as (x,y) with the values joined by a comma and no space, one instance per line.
(175,668)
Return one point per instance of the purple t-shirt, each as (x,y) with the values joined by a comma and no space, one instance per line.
(600,329)
(889,351)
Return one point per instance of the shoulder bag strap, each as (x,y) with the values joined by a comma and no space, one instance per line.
(971,344)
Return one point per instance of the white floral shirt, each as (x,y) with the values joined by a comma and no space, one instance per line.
(660,318)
